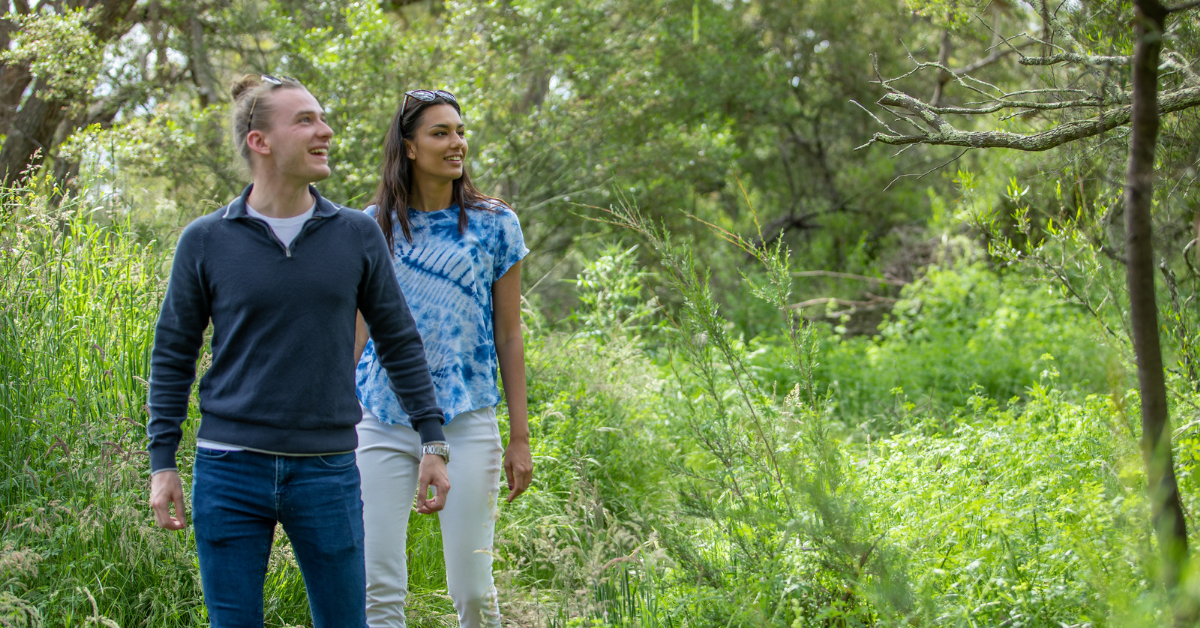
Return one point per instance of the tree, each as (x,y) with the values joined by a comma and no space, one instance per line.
(1169,522)
(1095,102)
(61,71)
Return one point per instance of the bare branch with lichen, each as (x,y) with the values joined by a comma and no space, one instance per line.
(1088,112)
(942,133)
(1070,57)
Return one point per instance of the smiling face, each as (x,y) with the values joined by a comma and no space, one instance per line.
(296,145)
(439,144)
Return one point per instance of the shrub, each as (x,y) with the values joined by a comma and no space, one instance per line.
(955,331)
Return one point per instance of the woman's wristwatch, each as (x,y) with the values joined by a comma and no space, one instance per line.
(437,447)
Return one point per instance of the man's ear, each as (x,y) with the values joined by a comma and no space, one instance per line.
(410,149)
(257,141)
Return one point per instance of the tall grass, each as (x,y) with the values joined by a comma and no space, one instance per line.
(1016,511)
(685,476)
(80,292)
(774,532)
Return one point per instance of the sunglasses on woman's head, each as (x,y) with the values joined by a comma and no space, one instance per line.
(273,82)
(426,95)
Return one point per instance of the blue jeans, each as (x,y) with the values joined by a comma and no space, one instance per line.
(237,498)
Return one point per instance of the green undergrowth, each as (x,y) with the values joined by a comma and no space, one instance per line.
(80,294)
(957,332)
(81,286)
(1021,517)
(972,464)
(566,547)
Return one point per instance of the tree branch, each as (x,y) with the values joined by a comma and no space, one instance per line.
(931,170)
(992,57)
(944,134)
(1184,7)
(1071,57)
(1026,104)
(874,302)
(837,275)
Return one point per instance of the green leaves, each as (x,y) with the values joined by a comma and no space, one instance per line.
(1019,519)
(60,49)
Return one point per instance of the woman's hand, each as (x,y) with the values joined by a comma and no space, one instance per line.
(518,466)
(510,352)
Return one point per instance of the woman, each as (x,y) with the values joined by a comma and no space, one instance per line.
(457,255)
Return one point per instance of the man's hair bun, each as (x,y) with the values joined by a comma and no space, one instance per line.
(244,84)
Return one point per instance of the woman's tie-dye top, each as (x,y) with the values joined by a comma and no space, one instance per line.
(447,278)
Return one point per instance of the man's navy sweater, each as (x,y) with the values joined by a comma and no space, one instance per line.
(282,373)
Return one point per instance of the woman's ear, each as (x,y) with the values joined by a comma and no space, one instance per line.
(410,149)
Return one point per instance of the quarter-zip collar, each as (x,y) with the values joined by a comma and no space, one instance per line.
(324,207)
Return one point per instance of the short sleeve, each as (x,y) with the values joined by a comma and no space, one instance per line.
(510,242)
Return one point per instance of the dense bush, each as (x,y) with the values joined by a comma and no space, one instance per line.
(1026,517)
(955,333)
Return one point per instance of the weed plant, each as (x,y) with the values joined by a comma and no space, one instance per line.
(1029,517)
(1012,500)
(581,542)
(771,531)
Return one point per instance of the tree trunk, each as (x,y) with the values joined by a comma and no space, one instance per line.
(1169,524)
(14,77)
(202,74)
(30,134)
(943,76)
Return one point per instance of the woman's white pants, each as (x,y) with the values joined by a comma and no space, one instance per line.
(388,460)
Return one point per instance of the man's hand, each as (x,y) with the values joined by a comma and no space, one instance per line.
(166,489)
(432,473)
(518,466)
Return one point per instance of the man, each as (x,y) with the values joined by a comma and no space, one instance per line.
(280,272)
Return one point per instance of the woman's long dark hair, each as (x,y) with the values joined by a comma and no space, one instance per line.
(396,182)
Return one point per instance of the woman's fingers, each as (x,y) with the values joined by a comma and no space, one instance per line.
(518,468)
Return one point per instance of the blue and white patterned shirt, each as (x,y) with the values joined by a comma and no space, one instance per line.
(447,278)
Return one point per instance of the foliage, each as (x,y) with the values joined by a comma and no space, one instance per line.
(677,490)
(59,49)
(957,333)
(1032,516)
(80,297)
(763,484)
(584,534)
(565,105)
(610,290)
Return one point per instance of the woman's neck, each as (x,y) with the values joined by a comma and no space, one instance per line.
(431,195)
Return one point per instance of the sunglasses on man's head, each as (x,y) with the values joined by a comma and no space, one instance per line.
(426,95)
(273,82)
